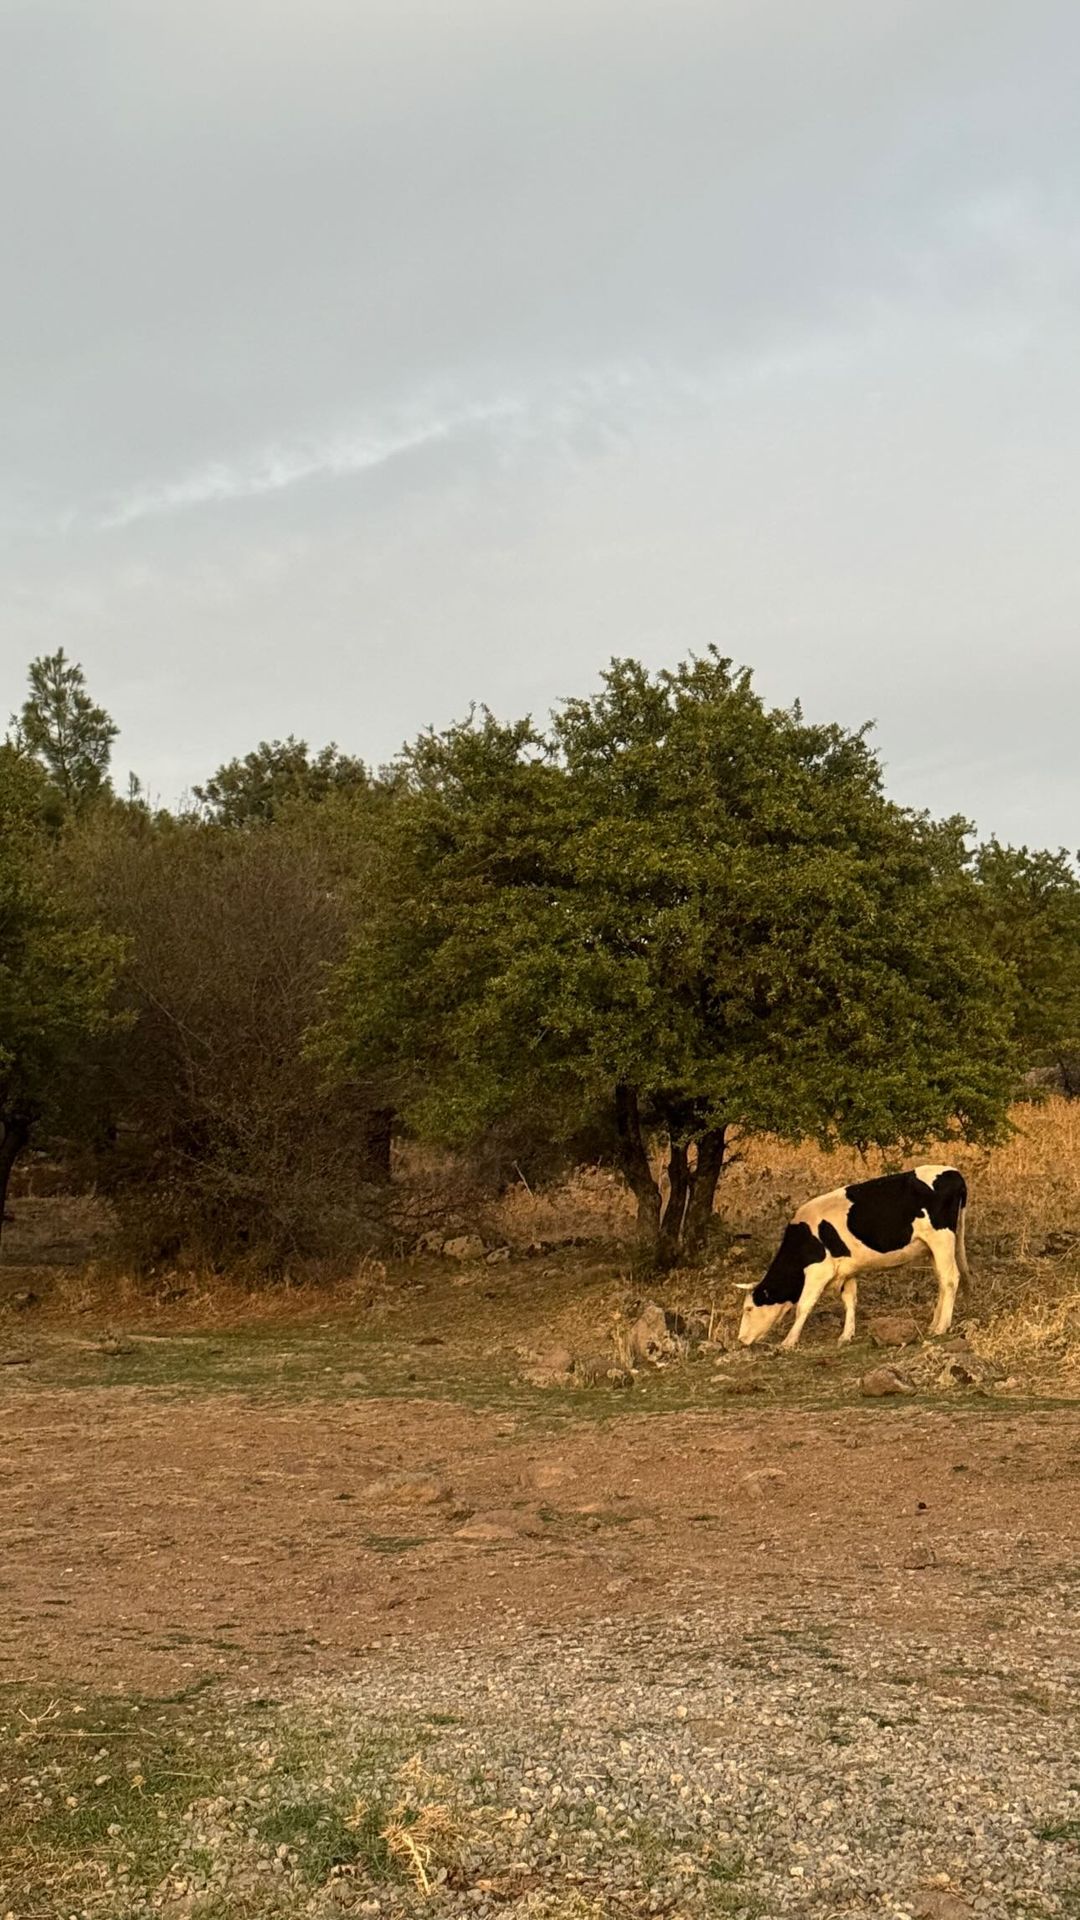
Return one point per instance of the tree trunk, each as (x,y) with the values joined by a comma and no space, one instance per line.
(671,1227)
(710,1161)
(380,1133)
(634,1162)
(16,1133)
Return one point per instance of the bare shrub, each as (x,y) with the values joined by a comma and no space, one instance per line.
(227,1145)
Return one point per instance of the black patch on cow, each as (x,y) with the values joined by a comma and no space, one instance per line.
(883,1212)
(783,1283)
(948,1198)
(831,1240)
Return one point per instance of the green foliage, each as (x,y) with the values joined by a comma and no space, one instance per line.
(1030,907)
(63,729)
(254,791)
(683,908)
(56,967)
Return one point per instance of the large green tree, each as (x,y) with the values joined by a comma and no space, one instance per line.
(62,727)
(56,967)
(684,913)
(1030,905)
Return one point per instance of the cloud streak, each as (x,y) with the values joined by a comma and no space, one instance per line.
(277,468)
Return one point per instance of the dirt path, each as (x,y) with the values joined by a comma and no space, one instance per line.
(146,1540)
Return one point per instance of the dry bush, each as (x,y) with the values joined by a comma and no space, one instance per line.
(590,1203)
(228,1147)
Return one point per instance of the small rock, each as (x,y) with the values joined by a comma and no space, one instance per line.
(935,1904)
(656,1336)
(884,1380)
(486,1527)
(430,1243)
(961,1373)
(464,1246)
(758,1476)
(552,1368)
(14,1359)
(598,1369)
(409,1490)
(544,1474)
(497,1256)
(894,1330)
(25,1298)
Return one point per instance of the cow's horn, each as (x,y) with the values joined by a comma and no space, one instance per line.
(742,1286)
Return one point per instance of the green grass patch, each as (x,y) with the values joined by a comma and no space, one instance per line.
(320,1835)
(96,1789)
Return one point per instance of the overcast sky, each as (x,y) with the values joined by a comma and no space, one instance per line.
(363,358)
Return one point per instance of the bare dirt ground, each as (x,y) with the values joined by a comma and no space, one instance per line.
(146,1538)
(311,1608)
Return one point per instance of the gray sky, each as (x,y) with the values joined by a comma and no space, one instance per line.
(362,358)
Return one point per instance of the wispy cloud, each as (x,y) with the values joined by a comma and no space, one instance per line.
(275,468)
(614,400)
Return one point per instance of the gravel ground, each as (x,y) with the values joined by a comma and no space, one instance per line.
(672,1767)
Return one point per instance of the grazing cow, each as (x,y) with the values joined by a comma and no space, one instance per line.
(858,1229)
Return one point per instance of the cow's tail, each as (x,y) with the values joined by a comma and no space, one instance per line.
(961,1244)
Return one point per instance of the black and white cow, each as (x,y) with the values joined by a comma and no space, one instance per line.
(860,1229)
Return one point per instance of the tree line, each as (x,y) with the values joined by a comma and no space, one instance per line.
(672,917)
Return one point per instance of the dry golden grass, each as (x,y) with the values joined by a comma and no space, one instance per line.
(1037,1333)
(591,1204)
(1021,1192)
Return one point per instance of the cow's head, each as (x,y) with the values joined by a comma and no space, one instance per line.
(773,1296)
(758,1316)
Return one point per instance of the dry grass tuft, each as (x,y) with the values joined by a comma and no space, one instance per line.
(1036,1334)
(424,1841)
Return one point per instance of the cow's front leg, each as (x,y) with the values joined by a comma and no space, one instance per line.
(849,1294)
(815,1282)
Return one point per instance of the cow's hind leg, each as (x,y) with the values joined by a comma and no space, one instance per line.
(849,1293)
(942,1244)
(961,1245)
(815,1282)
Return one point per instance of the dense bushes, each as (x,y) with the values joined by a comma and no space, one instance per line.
(228,1140)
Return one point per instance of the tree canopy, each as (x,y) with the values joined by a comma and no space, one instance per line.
(56,967)
(65,731)
(683,911)
(276,774)
(1030,906)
